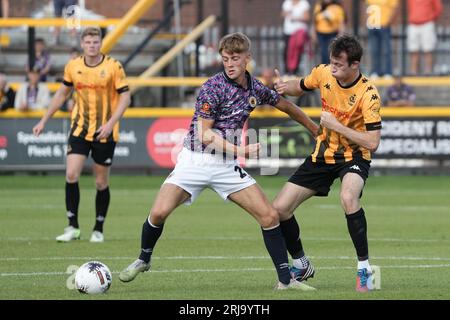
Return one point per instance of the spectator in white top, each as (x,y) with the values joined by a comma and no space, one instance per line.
(296,18)
(32,95)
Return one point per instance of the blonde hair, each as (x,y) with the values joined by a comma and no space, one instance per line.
(235,43)
(91,31)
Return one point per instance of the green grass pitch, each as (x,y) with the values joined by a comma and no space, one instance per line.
(214,250)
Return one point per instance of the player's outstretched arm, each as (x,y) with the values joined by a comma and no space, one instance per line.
(56,103)
(124,101)
(290,87)
(297,114)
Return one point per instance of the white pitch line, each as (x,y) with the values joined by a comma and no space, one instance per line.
(222,258)
(33,274)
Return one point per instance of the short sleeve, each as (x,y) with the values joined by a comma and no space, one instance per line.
(207,102)
(371,106)
(120,78)
(67,78)
(312,81)
(266,95)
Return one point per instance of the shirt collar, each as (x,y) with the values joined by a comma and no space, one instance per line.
(234,83)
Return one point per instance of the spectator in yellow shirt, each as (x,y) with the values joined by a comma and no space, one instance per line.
(380,15)
(329,22)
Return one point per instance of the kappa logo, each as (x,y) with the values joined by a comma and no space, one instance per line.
(355,167)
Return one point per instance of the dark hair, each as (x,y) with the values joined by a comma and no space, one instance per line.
(348,44)
(323,5)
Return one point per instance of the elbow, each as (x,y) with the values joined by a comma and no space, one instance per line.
(373,146)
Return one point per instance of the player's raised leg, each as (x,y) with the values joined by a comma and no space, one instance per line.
(253,200)
(285,203)
(74,167)
(351,188)
(169,197)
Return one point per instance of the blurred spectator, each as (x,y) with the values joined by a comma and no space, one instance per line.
(43,59)
(59,7)
(422,37)
(4,9)
(329,22)
(7,94)
(32,95)
(74,53)
(399,94)
(380,15)
(295,30)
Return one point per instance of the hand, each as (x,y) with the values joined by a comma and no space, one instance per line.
(38,128)
(279,85)
(250,151)
(103,132)
(328,121)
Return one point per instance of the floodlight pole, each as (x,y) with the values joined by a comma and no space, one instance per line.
(199,41)
(224,18)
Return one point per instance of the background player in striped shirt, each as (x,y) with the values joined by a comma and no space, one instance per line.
(350,130)
(102,95)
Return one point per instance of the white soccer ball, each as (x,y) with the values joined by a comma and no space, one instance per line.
(93,277)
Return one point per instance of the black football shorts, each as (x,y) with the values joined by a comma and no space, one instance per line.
(102,153)
(320,176)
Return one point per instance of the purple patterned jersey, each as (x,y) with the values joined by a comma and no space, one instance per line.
(229,104)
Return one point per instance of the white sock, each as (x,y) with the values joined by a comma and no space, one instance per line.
(364,264)
(300,263)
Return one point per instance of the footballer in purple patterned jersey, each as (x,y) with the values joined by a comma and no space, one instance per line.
(229,104)
(224,103)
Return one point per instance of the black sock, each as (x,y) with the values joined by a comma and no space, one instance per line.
(291,234)
(150,234)
(72,202)
(273,239)
(357,227)
(101,208)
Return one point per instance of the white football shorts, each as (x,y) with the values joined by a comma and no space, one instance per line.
(196,171)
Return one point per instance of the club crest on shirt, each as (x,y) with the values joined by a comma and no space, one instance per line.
(352,100)
(252,100)
(206,108)
(102,74)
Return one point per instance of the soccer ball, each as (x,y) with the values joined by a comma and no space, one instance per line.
(93,277)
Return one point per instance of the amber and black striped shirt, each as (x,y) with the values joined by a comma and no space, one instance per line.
(356,106)
(97,95)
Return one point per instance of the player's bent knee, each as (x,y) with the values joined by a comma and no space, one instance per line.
(72,177)
(282,211)
(349,201)
(269,219)
(158,216)
(101,185)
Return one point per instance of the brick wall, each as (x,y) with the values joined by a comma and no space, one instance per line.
(242,12)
